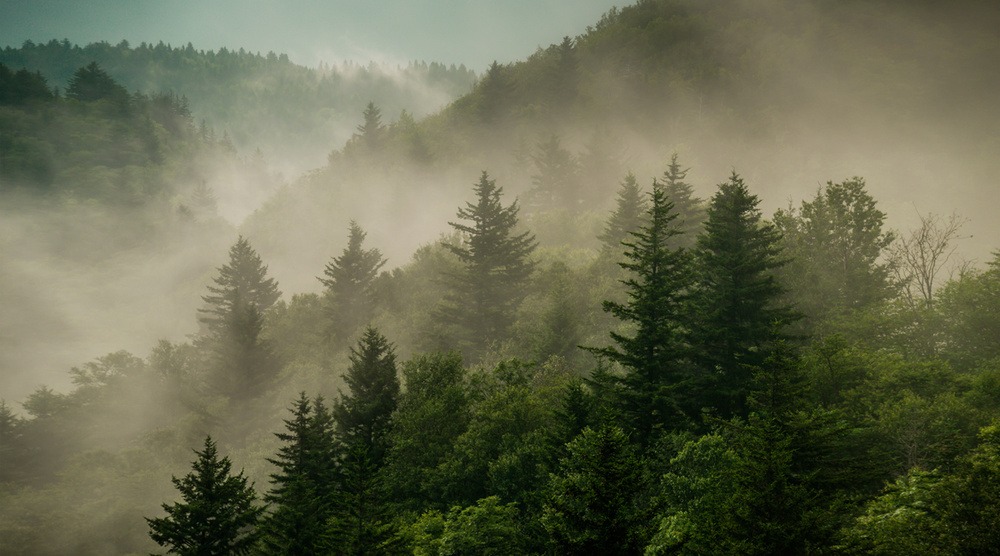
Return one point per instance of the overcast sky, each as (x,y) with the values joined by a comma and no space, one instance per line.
(470,32)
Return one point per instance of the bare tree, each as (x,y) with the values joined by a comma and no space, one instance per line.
(920,257)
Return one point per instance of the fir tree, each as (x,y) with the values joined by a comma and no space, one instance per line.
(303,494)
(628,216)
(497,264)
(243,362)
(348,280)
(364,416)
(738,303)
(690,209)
(217,514)
(595,504)
(655,357)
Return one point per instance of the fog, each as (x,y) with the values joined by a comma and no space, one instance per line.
(787,99)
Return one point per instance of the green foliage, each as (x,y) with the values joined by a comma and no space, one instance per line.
(628,216)
(91,84)
(836,244)
(22,86)
(969,309)
(363,524)
(690,209)
(217,514)
(737,302)
(303,495)
(364,415)
(658,286)
(557,181)
(433,412)
(293,113)
(935,514)
(243,362)
(497,264)
(596,505)
(349,281)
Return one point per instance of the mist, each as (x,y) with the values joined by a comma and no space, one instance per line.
(105,258)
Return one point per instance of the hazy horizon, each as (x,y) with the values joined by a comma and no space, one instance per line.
(473,33)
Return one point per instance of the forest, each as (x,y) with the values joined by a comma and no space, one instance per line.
(712,277)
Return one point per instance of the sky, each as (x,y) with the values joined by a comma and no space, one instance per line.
(470,32)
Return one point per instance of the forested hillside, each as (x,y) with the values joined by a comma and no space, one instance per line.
(696,281)
(293,114)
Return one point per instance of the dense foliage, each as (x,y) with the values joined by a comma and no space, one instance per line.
(746,385)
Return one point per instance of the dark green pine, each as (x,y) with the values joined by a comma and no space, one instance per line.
(737,307)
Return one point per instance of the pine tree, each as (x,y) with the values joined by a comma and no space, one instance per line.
(628,217)
(363,420)
(738,303)
(655,356)
(348,280)
(595,504)
(372,130)
(91,83)
(690,209)
(243,362)
(497,264)
(217,514)
(303,495)
(364,416)
(556,183)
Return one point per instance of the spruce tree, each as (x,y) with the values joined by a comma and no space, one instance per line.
(738,303)
(496,266)
(596,504)
(348,280)
(243,362)
(690,209)
(628,216)
(372,130)
(303,495)
(217,514)
(364,415)
(363,420)
(655,357)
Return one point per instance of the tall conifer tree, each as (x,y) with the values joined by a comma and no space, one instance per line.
(348,280)
(243,362)
(496,266)
(303,495)
(655,356)
(217,514)
(738,305)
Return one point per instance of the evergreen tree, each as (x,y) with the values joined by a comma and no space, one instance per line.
(556,183)
(655,357)
(494,94)
(737,306)
(91,83)
(217,514)
(303,495)
(372,130)
(364,416)
(348,280)
(485,294)
(690,209)
(433,413)
(363,420)
(596,502)
(234,317)
(363,525)
(629,216)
